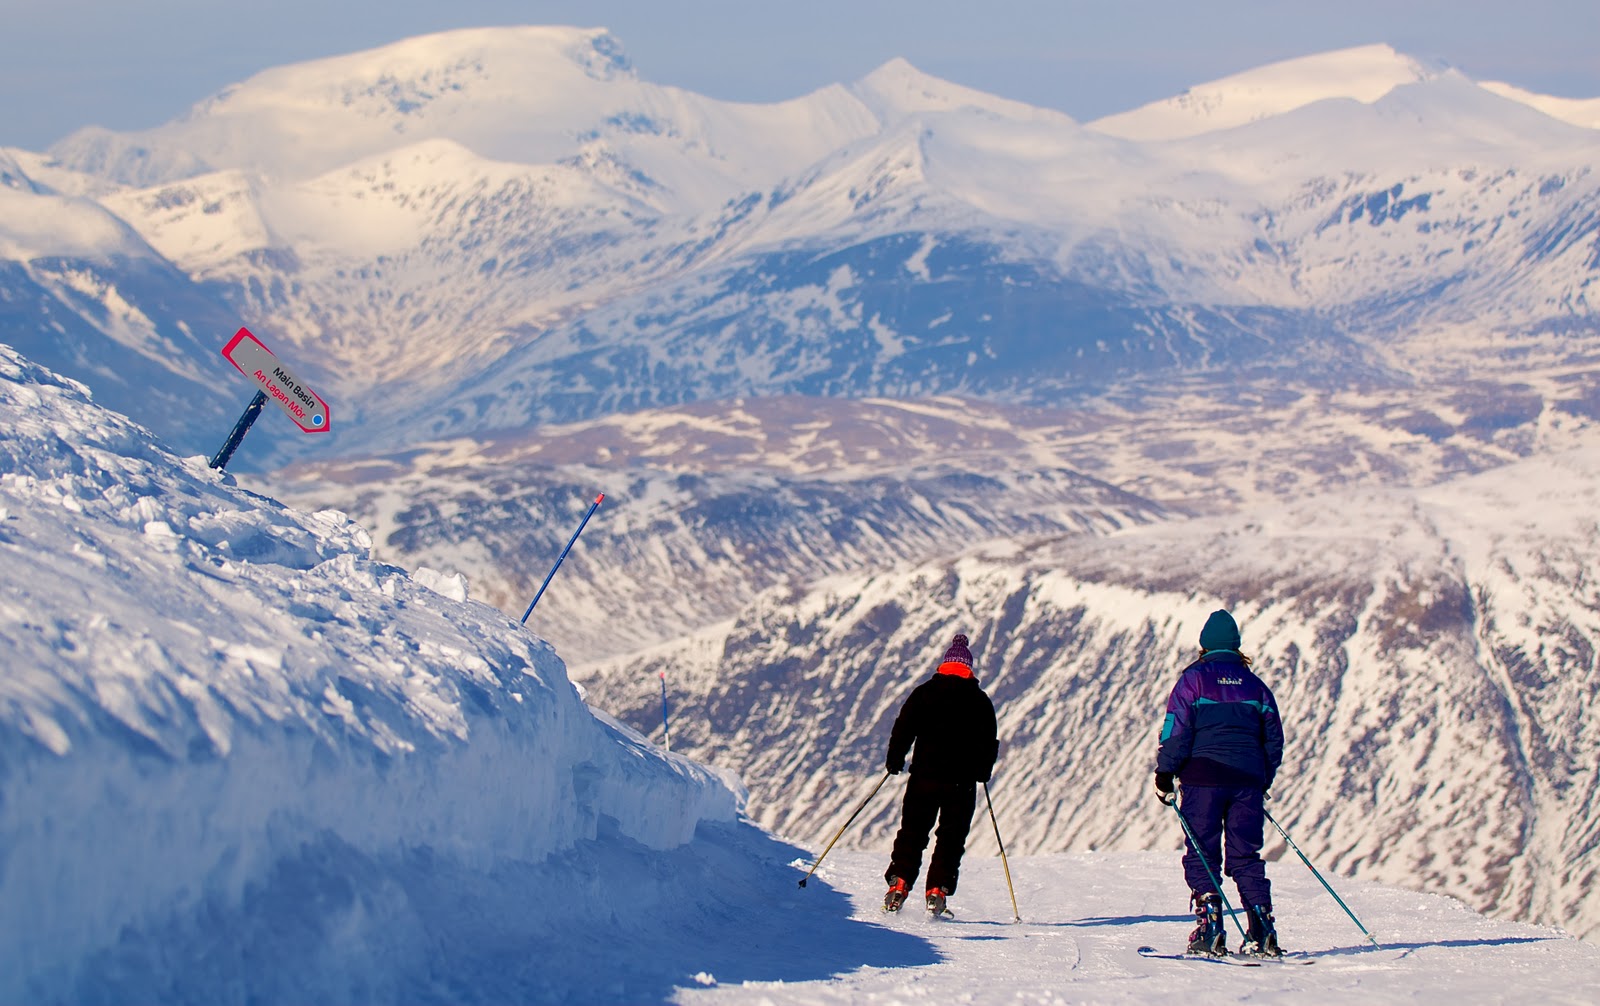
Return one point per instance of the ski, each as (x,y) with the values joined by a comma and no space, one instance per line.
(1237,960)
(1234,959)
(893,908)
(1286,958)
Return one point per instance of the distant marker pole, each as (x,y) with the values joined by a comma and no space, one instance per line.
(666,730)
(551,575)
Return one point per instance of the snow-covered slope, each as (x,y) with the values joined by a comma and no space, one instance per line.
(708,503)
(245,763)
(1432,652)
(229,734)
(1364,74)
(1085,915)
(1578,111)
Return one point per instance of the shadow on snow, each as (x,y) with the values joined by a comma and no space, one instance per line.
(607,921)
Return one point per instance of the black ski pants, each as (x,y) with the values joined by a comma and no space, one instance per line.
(952,805)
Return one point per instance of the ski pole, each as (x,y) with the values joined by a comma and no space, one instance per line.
(551,575)
(1016,916)
(1195,845)
(859,808)
(1314,873)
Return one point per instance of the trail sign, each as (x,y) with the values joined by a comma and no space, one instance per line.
(256,362)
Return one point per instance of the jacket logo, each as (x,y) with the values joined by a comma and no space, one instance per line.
(1230,681)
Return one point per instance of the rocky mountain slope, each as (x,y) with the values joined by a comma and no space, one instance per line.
(1432,652)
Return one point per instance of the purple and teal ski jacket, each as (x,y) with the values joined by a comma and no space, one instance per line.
(1222,726)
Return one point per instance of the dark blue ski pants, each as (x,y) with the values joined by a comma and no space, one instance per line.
(952,804)
(1234,812)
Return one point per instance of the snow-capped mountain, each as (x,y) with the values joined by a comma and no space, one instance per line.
(1578,111)
(1364,74)
(1431,652)
(490,228)
(1355,277)
(83,293)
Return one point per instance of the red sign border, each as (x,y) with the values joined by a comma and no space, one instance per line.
(227,354)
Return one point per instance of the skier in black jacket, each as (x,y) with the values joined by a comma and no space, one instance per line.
(951,721)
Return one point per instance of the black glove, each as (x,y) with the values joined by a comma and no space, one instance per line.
(1165,792)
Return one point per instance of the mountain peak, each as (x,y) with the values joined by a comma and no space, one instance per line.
(408,77)
(898,90)
(1363,73)
(466,85)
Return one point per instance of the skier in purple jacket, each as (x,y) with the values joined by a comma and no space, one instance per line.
(1223,742)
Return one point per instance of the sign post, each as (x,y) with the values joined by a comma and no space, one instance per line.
(302,405)
(225,452)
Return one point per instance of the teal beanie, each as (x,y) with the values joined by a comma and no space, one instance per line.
(1221,632)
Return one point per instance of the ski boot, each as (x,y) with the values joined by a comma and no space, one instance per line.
(1208,936)
(935,901)
(898,889)
(1262,936)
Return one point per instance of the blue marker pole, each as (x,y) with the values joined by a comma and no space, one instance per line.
(666,730)
(551,575)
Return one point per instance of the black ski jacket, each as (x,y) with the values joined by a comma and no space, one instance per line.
(952,723)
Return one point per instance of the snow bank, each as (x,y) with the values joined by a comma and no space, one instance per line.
(235,751)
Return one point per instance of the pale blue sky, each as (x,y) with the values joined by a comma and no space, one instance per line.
(130,64)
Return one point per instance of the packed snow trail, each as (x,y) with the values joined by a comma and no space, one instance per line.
(1085,916)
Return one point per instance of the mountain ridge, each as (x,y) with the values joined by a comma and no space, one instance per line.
(1361,73)
(1412,678)
(403,265)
